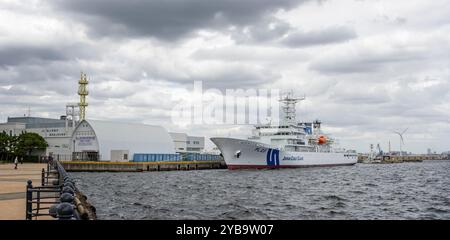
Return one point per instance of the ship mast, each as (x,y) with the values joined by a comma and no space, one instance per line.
(288,107)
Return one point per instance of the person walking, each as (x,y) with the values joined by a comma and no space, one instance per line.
(16,161)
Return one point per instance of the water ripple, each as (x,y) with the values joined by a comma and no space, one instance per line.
(395,191)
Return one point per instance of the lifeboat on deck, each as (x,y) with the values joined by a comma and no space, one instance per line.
(322,140)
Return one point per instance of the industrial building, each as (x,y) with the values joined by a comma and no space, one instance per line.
(57,132)
(188,144)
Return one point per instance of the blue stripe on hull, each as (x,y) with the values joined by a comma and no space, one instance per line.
(273,157)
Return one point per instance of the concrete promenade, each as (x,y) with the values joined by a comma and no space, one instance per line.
(13,186)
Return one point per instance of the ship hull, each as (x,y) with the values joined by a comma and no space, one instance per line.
(245,154)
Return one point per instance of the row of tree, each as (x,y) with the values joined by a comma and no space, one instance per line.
(20,146)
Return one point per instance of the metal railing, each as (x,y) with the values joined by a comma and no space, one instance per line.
(58,190)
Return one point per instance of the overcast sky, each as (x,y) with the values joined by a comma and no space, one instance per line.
(366,67)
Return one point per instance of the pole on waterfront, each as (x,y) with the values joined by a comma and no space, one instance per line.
(29,203)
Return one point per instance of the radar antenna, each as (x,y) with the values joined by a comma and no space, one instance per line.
(288,108)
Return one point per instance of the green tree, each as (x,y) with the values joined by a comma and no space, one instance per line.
(5,141)
(27,142)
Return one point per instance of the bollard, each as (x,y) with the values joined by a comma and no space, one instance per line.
(70,180)
(66,197)
(29,203)
(65,211)
(68,190)
(53,211)
(69,184)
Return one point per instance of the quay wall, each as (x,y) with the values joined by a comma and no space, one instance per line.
(86,166)
(406,158)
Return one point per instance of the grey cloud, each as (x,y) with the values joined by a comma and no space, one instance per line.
(279,33)
(252,54)
(364,61)
(106,90)
(400,20)
(13,55)
(266,31)
(24,104)
(362,98)
(17,105)
(168,20)
(225,76)
(345,67)
(319,37)
(19,90)
(240,77)
(390,19)
(45,78)
(252,20)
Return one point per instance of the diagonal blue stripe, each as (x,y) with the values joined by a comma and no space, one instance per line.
(269,157)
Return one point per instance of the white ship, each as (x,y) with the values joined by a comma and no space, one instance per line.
(290,144)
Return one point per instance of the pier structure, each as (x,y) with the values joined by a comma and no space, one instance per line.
(403,158)
(97,166)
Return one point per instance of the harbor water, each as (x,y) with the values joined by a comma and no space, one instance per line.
(364,191)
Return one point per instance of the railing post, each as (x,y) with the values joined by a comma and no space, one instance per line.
(29,201)
(43,177)
(38,198)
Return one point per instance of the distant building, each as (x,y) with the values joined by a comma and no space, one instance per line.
(397,153)
(57,132)
(12,129)
(447,153)
(185,143)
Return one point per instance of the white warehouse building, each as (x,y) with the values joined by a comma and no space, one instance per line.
(116,141)
(188,144)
